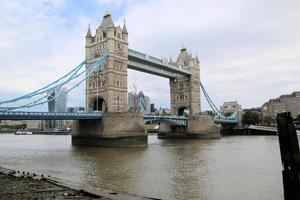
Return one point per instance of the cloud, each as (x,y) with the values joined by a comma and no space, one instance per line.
(37,46)
(248,49)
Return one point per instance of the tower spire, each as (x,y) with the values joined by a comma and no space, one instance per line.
(124,29)
(89,34)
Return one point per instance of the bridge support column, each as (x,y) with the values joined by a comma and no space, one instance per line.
(113,130)
(203,128)
(171,131)
(197,128)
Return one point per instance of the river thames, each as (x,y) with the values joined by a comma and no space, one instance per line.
(230,168)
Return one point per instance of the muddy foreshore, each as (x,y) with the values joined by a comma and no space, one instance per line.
(15,185)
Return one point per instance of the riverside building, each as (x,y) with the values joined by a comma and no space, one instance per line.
(284,103)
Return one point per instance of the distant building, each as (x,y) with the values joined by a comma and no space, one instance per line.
(152,108)
(230,107)
(57,102)
(12,124)
(75,109)
(144,103)
(139,102)
(132,101)
(284,103)
(34,124)
(164,111)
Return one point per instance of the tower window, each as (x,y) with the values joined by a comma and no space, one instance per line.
(181,86)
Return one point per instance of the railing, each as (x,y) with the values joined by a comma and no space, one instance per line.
(48,115)
(179,120)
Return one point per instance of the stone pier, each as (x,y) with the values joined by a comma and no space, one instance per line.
(197,128)
(113,130)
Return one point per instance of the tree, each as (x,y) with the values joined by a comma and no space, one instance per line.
(250,118)
(267,120)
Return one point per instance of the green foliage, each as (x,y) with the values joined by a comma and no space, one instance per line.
(250,118)
(18,126)
(267,120)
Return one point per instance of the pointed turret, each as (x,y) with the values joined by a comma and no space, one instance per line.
(124,29)
(89,34)
(197,58)
(88,42)
(88,37)
(107,21)
(124,32)
(183,57)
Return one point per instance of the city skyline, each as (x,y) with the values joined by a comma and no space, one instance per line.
(246,48)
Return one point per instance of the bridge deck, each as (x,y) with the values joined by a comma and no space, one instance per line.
(149,64)
(23,115)
(19,115)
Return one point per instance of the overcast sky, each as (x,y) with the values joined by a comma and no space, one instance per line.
(248,49)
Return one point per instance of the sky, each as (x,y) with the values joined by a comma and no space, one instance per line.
(248,49)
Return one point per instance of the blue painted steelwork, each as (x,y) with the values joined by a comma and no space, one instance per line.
(19,115)
(149,64)
(136,60)
(177,120)
(40,96)
(219,118)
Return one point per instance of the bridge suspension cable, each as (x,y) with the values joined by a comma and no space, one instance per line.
(214,107)
(54,90)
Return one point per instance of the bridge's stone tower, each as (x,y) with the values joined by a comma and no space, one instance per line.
(185,92)
(107,89)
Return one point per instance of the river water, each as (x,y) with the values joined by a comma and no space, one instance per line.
(230,168)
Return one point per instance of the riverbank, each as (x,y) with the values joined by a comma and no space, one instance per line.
(16,185)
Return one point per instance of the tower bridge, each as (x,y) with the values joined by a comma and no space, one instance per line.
(107,121)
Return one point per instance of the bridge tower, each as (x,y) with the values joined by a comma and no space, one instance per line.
(107,89)
(185,91)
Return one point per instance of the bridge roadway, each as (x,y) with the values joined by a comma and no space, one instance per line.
(24,115)
(149,64)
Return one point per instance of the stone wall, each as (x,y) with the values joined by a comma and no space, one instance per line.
(204,127)
(197,128)
(115,129)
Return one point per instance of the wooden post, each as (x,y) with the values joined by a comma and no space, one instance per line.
(290,156)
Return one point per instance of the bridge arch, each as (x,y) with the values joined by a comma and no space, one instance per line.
(182,110)
(98,104)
